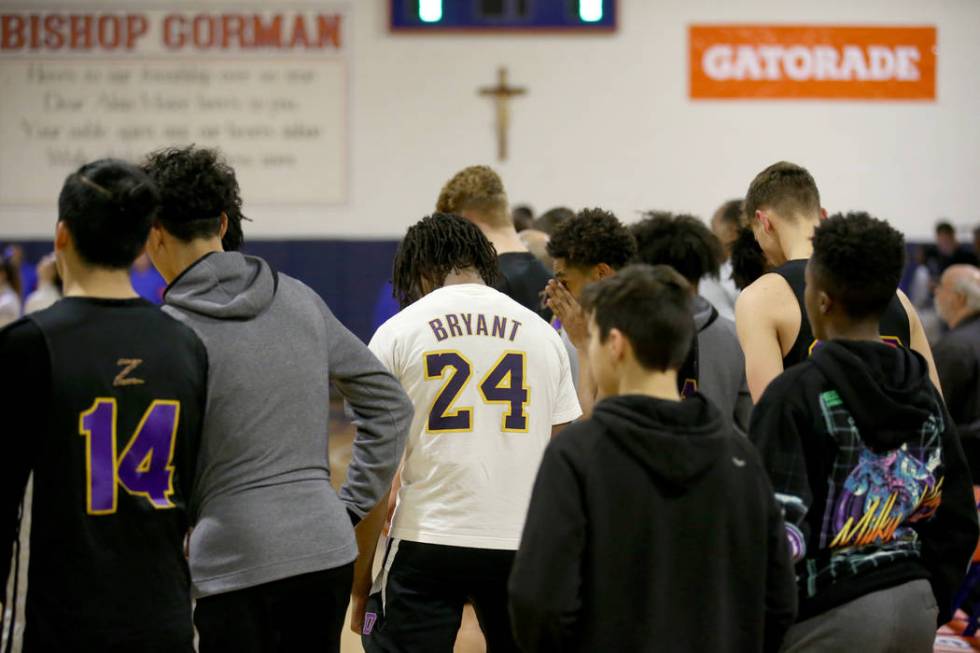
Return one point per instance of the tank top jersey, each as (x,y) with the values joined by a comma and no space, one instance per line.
(115,456)
(894,325)
(488,379)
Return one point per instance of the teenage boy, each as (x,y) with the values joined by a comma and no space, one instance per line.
(588,247)
(652,515)
(715,365)
(864,459)
(104,396)
(491,383)
(272,549)
(783,207)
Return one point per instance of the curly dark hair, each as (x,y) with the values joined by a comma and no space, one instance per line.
(593,236)
(197,185)
(683,242)
(786,188)
(435,246)
(858,260)
(108,207)
(748,260)
(651,306)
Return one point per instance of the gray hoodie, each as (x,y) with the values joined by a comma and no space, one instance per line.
(262,506)
(721,365)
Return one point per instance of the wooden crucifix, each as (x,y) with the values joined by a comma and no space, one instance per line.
(501,94)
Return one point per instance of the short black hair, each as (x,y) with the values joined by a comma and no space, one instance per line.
(523,217)
(651,306)
(593,236)
(748,260)
(946,228)
(108,206)
(197,185)
(435,246)
(683,242)
(551,219)
(858,260)
(731,212)
(784,187)
(11,271)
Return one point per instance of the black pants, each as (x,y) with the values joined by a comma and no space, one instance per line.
(427,586)
(302,613)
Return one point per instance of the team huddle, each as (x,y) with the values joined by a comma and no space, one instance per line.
(586,449)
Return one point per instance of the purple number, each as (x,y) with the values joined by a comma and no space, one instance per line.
(144,468)
(506,384)
(441,420)
(98,426)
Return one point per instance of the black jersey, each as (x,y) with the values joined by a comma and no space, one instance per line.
(894,324)
(103,400)
(523,279)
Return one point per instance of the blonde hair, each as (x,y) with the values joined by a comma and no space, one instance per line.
(476,188)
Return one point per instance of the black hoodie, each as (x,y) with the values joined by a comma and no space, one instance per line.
(870,472)
(652,527)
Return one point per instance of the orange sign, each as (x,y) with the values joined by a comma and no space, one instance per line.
(812,62)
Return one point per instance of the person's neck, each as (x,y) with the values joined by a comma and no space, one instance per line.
(460,277)
(192,252)
(504,238)
(865,330)
(960,317)
(796,238)
(100,283)
(634,380)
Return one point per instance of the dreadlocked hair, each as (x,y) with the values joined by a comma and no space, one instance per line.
(435,246)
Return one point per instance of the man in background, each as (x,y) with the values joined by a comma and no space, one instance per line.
(719,289)
(958,355)
(477,194)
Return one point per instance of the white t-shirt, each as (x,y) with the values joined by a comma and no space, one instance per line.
(488,378)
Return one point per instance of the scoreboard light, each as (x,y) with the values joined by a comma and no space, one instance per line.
(430,11)
(502,15)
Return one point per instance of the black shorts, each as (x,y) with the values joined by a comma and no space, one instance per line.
(421,605)
(301,613)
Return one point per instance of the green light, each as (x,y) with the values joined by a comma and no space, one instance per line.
(590,11)
(430,11)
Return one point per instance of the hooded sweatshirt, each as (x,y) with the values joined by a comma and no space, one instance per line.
(262,506)
(865,461)
(645,520)
(721,364)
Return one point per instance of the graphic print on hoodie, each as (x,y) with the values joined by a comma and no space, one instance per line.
(870,475)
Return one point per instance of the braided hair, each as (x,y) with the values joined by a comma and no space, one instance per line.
(435,246)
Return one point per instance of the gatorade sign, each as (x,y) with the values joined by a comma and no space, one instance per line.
(812,62)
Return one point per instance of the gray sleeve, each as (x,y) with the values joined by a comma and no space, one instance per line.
(743,407)
(382,414)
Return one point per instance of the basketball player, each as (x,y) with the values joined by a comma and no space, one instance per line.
(715,365)
(104,396)
(272,547)
(865,460)
(477,194)
(783,206)
(490,382)
(588,247)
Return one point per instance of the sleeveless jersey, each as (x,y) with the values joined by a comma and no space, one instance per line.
(115,457)
(894,325)
(488,379)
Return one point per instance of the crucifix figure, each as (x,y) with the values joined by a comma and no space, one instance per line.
(501,94)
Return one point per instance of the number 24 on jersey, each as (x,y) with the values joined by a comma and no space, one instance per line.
(505,383)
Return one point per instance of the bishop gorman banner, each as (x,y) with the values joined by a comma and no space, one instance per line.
(812,62)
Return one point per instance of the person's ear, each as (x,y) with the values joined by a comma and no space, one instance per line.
(764,220)
(824,302)
(224,225)
(616,344)
(602,271)
(62,237)
(823,213)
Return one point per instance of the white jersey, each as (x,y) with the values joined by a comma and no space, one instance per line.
(488,378)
